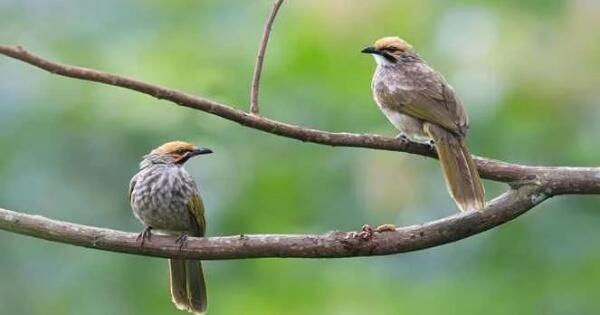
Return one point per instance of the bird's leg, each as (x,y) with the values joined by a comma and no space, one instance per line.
(146,234)
(181,240)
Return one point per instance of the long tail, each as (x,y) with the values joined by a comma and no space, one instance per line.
(188,290)
(462,180)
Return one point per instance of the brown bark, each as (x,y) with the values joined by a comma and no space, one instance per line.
(530,185)
(331,245)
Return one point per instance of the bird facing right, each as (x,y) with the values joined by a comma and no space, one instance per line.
(418,101)
(164,197)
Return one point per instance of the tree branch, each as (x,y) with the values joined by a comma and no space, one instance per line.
(564,180)
(331,245)
(530,186)
(261,57)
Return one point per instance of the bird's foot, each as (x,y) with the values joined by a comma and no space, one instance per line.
(385,228)
(146,234)
(181,240)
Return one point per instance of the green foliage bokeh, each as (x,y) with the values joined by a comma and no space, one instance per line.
(526,70)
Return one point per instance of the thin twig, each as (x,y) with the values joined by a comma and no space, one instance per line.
(261,57)
(331,245)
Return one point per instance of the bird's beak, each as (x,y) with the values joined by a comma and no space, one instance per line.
(371,50)
(377,52)
(201,151)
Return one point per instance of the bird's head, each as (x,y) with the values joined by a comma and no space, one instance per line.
(174,152)
(388,50)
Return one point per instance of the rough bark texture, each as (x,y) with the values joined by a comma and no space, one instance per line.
(530,185)
(330,245)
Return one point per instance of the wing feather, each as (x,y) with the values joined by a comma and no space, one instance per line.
(427,97)
(196,208)
(438,105)
(132,186)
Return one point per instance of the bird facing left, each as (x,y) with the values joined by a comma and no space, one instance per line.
(165,198)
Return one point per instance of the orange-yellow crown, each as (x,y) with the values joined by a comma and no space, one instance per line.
(398,43)
(174,147)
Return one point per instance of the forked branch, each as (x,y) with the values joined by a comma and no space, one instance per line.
(530,185)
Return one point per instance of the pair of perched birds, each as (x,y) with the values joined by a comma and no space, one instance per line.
(415,98)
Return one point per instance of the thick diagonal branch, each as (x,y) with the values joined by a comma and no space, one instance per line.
(532,185)
(331,245)
(585,180)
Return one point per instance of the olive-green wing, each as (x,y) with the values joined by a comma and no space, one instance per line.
(196,208)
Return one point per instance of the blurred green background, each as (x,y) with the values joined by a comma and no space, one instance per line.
(528,72)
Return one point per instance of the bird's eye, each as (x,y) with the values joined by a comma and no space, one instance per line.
(392,49)
(180,151)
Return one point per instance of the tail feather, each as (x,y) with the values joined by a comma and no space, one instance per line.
(188,290)
(195,286)
(477,183)
(460,173)
(178,285)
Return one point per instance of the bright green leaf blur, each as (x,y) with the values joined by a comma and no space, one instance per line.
(528,72)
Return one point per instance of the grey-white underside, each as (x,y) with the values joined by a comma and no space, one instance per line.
(160,194)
